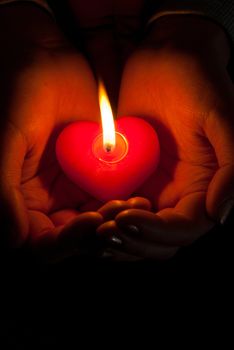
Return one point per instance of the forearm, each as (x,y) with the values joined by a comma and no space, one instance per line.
(190,34)
(221,12)
(41,3)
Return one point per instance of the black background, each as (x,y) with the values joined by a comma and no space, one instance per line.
(60,303)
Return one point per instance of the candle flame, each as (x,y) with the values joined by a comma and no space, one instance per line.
(108,125)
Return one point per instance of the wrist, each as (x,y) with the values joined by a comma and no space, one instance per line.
(25,23)
(195,35)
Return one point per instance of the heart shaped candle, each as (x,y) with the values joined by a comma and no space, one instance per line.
(108,169)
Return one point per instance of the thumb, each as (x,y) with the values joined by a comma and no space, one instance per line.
(13,213)
(220,195)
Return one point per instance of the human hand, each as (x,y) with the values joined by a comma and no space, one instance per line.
(108,231)
(179,83)
(45,84)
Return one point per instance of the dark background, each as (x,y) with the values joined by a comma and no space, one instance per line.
(46,304)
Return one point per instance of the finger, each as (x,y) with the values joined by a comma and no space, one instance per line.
(110,233)
(40,225)
(173,226)
(128,248)
(43,235)
(139,203)
(14,218)
(77,237)
(220,132)
(108,229)
(114,207)
(62,217)
(80,229)
(114,246)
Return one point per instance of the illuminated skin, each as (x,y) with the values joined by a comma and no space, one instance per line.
(32,200)
(46,85)
(178,81)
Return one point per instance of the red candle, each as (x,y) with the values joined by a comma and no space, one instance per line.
(112,162)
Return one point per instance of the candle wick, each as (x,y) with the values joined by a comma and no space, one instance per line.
(108,147)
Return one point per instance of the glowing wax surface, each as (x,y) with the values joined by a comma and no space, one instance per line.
(108,175)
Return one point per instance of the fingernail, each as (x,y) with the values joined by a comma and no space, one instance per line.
(225,211)
(116,241)
(134,230)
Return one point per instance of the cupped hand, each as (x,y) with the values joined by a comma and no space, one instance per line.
(178,82)
(45,84)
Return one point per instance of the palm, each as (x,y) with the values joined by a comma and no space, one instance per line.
(175,100)
(47,191)
(59,91)
(179,175)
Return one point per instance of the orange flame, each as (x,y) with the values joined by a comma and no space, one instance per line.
(108,125)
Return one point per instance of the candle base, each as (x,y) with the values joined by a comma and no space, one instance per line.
(110,156)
